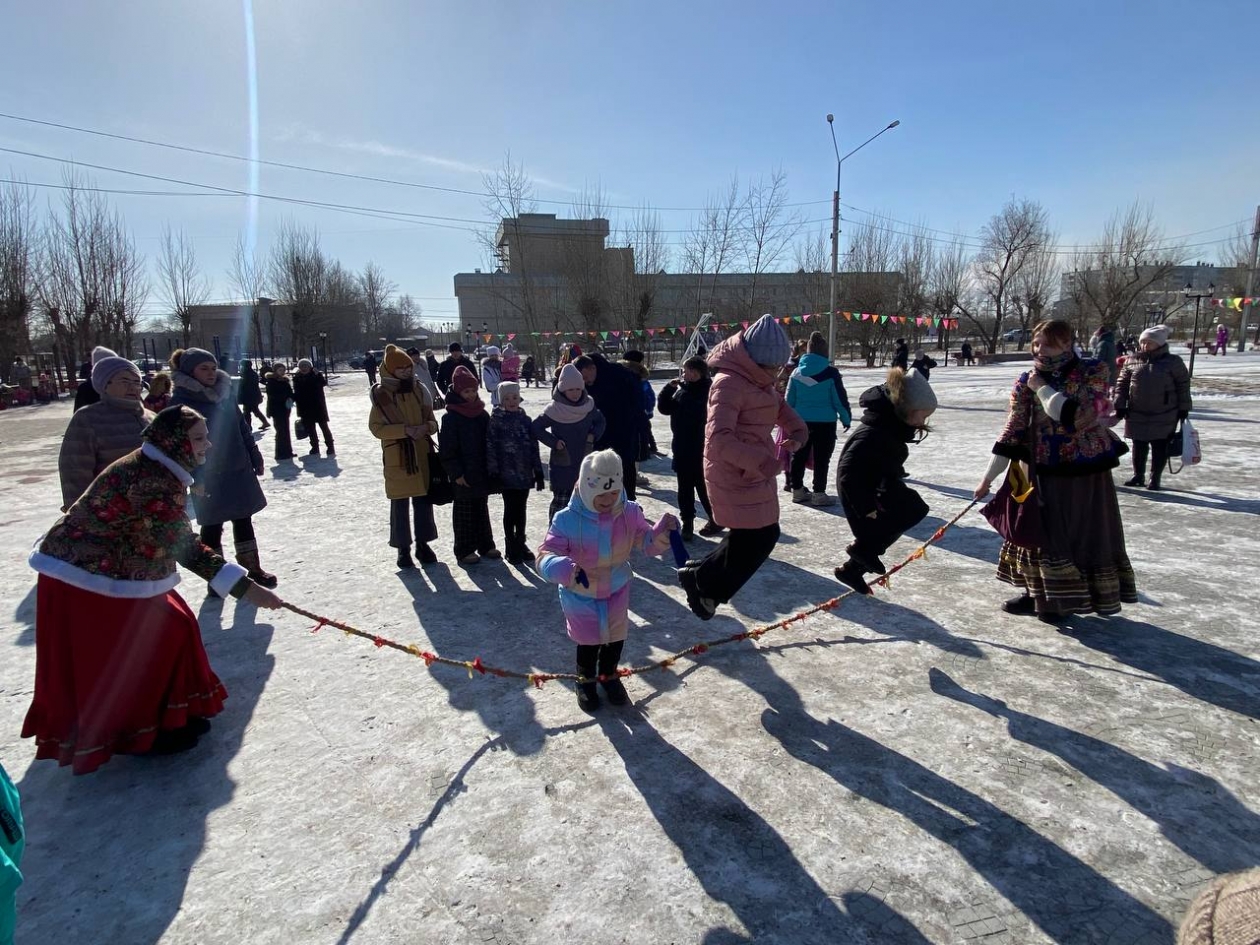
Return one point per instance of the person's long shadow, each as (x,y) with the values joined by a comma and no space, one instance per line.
(321,467)
(1193,810)
(1203,670)
(142,819)
(739,859)
(1062,895)
(25,615)
(489,626)
(1198,500)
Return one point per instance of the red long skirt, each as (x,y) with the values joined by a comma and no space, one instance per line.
(112,672)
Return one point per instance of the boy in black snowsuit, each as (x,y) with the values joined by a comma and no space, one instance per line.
(686,403)
(879,506)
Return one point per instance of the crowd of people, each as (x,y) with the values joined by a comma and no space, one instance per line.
(134,465)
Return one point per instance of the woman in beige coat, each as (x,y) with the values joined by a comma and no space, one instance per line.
(402,419)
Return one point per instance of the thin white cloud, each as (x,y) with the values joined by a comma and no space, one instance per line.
(302,135)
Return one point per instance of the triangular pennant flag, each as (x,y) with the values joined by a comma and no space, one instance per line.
(603,335)
(651,332)
(488,337)
(848,316)
(744,324)
(615,334)
(511,335)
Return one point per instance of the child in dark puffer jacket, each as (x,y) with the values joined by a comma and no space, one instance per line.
(879,506)
(512,458)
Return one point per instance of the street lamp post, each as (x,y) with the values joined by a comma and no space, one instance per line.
(323,349)
(835,223)
(1191,293)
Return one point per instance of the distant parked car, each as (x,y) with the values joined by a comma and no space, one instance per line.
(148,364)
(1018,335)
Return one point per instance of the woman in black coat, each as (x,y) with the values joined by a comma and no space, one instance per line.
(312,409)
(619,396)
(462,449)
(686,403)
(249,395)
(279,404)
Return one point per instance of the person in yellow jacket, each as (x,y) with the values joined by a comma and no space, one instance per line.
(403,421)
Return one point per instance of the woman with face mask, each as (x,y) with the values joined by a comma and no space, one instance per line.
(1059,424)
(119,663)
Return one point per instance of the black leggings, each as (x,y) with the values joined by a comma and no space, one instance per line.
(1158,450)
(900,508)
(822,443)
(736,559)
(691,484)
(242,532)
(599,659)
(514,502)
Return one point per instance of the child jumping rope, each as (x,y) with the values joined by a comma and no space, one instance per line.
(878,504)
(587,552)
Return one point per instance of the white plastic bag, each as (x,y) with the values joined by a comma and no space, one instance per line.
(1191,453)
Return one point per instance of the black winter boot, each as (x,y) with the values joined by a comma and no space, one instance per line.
(851,573)
(588,697)
(404,559)
(425,553)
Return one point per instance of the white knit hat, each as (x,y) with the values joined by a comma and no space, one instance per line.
(600,472)
(1156,333)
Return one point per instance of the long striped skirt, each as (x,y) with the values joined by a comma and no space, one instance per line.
(1083,567)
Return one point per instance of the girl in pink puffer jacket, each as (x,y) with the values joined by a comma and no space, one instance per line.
(587,552)
(740,463)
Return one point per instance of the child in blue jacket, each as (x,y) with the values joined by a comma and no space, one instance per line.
(816,392)
(512,459)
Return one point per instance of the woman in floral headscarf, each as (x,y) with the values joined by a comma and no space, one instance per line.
(1060,422)
(119,664)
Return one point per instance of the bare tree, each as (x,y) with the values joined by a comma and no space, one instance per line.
(916,257)
(180,281)
(511,195)
(769,228)
(18,237)
(812,259)
(1127,270)
(91,281)
(709,248)
(870,284)
(1036,286)
(1008,241)
(587,269)
(950,283)
(297,271)
(247,275)
(402,319)
(375,291)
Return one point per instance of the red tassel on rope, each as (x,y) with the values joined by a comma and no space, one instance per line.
(476,664)
(379,641)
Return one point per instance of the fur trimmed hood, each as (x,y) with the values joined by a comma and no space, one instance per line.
(221,390)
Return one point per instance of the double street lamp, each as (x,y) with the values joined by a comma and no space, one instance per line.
(1190,292)
(835,223)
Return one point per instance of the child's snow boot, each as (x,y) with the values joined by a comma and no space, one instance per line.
(615,691)
(702,607)
(588,697)
(851,574)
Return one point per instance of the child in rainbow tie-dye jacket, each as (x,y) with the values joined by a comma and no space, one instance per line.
(587,552)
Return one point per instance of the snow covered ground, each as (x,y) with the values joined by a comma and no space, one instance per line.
(918,767)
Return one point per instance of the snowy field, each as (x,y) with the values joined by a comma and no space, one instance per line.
(917,767)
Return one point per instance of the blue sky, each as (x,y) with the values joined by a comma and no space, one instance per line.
(1084,106)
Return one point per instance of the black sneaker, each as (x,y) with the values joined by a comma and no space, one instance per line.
(425,553)
(404,560)
(867,564)
(1154,486)
(1135,481)
(710,529)
(588,697)
(615,691)
(1021,606)
(702,607)
(173,742)
(688,531)
(851,574)
(526,554)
